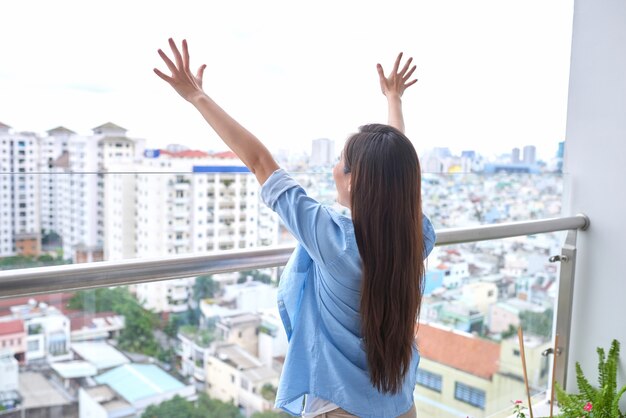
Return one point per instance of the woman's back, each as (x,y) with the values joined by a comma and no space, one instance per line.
(319,301)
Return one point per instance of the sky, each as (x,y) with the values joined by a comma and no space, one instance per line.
(492,74)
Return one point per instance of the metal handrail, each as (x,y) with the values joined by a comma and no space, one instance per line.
(31,281)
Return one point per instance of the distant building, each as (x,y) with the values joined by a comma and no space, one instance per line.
(193,348)
(13,338)
(19,193)
(515,156)
(479,295)
(54,156)
(464,375)
(250,296)
(322,152)
(530,154)
(101,355)
(505,314)
(234,375)
(142,385)
(9,381)
(272,338)
(193,202)
(242,330)
(47,332)
(103,402)
(95,195)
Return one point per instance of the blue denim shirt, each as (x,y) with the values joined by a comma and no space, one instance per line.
(318,300)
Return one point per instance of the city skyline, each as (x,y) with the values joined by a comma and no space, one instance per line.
(287,80)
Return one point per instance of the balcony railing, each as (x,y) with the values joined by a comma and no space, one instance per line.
(38,280)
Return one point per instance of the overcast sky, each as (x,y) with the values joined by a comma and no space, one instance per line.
(493,74)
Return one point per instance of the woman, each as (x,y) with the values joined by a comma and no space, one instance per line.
(350,294)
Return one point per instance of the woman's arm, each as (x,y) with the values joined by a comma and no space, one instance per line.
(393,87)
(247,146)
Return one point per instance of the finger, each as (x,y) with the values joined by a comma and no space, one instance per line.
(409,74)
(168,62)
(179,58)
(185,55)
(397,64)
(163,76)
(200,72)
(406,66)
(381,73)
(410,83)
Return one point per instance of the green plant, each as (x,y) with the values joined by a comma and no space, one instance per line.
(518,409)
(601,402)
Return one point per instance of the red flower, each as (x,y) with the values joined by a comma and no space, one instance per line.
(518,402)
(588,407)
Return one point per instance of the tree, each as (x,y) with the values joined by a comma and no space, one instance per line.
(176,407)
(268,392)
(538,323)
(204,287)
(137,335)
(102,300)
(205,407)
(256,275)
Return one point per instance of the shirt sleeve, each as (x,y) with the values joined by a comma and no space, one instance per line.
(309,221)
(429,236)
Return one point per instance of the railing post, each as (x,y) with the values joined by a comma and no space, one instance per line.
(564,305)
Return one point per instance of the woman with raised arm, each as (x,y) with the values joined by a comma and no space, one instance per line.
(350,295)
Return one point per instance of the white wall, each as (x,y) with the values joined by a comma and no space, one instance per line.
(595,164)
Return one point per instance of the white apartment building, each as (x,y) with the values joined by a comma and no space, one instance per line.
(47,332)
(53,156)
(233,375)
(322,152)
(96,195)
(191,202)
(19,193)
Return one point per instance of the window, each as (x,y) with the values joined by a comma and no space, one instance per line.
(470,395)
(429,380)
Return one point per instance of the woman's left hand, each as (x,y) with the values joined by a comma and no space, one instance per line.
(185,83)
(397,82)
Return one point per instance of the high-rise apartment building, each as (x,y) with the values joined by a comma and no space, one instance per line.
(53,157)
(530,152)
(19,193)
(193,202)
(96,195)
(322,152)
(515,156)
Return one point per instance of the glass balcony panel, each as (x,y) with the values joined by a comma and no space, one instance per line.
(179,335)
(476,296)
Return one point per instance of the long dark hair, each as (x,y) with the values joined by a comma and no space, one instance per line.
(386,205)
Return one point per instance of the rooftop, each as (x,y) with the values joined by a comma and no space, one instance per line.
(11,327)
(60,130)
(74,369)
(459,350)
(237,357)
(138,381)
(100,354)
(38,392)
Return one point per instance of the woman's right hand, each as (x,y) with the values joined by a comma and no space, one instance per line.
(185,83)
(397,82)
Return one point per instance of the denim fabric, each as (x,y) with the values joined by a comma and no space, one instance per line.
(318,300)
